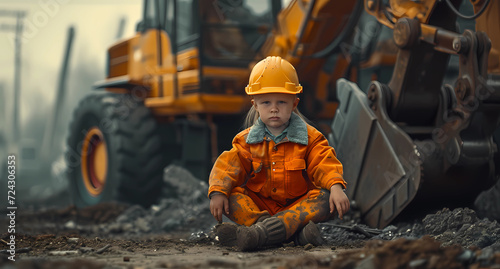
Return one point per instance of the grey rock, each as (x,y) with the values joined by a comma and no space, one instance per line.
(417,263)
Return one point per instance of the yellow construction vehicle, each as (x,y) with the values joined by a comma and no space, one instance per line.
(174,92)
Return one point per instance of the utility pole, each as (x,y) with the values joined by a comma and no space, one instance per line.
(18,30)
(51,126)
(121,28)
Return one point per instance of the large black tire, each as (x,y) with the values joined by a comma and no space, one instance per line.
(129,167)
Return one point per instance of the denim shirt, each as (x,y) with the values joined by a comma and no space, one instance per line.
(278,138)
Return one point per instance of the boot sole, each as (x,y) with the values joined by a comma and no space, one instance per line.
(226,233)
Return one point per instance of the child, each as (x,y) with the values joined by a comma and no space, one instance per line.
(281,176)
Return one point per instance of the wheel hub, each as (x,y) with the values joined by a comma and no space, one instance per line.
(94,161)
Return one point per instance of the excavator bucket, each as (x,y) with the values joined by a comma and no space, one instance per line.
(381,162)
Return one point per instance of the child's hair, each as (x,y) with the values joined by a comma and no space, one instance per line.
(253,116)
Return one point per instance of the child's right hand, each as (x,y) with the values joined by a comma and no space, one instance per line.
(219,205)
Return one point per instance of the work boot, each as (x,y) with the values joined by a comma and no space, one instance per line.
(269,232)
(226,234)
(308,235)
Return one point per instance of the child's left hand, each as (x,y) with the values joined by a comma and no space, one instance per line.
(338,200)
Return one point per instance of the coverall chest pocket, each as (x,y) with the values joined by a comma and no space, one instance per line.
(257,181)
(295,184)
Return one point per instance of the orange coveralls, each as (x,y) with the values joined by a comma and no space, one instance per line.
(289,180)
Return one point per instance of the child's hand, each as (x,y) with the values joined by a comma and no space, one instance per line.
(219,205)
(338,200)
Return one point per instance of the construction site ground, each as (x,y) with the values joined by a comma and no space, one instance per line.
(178,233)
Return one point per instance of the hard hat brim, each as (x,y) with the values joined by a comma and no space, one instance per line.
(273,90)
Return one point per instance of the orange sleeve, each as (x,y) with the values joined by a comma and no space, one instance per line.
(324,169)
(231,168)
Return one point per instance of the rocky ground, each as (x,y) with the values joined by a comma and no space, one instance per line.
(177,233)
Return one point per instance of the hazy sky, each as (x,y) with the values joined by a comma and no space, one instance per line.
(96,24)
(46,25)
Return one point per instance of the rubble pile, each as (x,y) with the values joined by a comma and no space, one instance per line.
(447,239)
(183,208)
(462,226)
(487,204)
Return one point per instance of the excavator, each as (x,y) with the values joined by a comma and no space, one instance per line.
(373,73)
(416,143)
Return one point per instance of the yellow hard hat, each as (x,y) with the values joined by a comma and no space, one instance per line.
(273,75)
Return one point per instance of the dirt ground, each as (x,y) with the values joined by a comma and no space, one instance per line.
(58,245)
(177,233)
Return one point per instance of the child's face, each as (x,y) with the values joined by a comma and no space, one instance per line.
(275,109)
